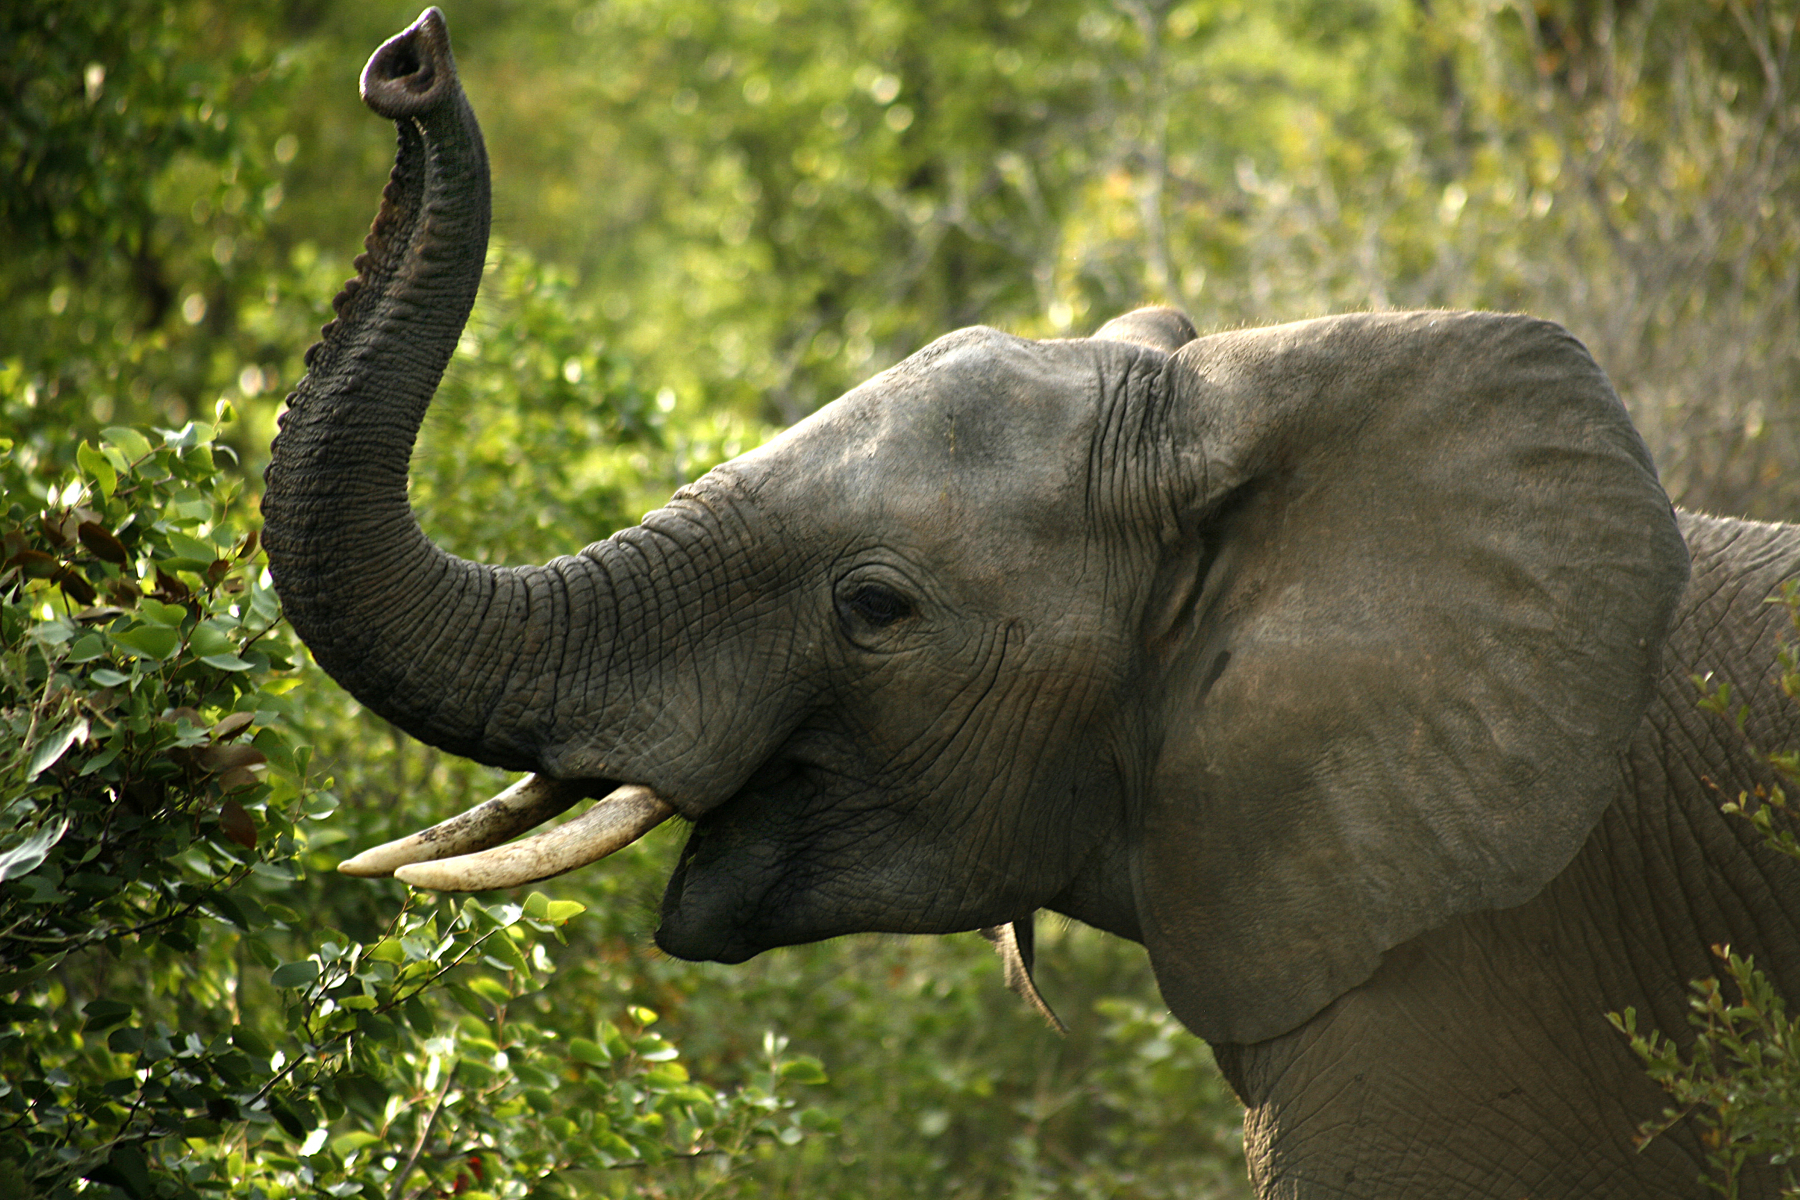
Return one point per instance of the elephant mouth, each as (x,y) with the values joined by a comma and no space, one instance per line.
(471,852)
(734,875)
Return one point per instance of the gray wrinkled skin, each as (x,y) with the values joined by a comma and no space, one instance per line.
(1344,664)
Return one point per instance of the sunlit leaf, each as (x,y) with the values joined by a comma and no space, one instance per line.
(105,478)
(150,641)
(48,751)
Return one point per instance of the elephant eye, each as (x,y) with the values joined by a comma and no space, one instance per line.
(875,605)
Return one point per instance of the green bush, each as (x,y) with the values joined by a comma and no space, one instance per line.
(176,1025)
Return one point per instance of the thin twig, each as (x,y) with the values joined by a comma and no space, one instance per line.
(424,1136)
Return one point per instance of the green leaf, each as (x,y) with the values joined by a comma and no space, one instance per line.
(51,749)
(468,1000)
(561,911)
(208,637)
(95,464)
(155,612)
(115,745)
(27,855)
(101,1015)
(652,1048)
(259,950)
(127,1162)
(387,950)
(490,989)
(591,1052)
(226,662)
(250,1041)
(419,1016)
(508,952)
(346,1144)
(189,553)
(295,974)
(150,641)
(87,648)
(289,1119)
(129,441)
(803,1069)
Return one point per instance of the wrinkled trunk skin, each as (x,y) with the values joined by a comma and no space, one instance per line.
(457,654)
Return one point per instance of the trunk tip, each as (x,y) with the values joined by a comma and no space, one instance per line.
(412,71)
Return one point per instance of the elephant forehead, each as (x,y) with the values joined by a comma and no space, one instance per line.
(976,425)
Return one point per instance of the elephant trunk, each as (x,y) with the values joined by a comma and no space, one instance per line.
(458,654)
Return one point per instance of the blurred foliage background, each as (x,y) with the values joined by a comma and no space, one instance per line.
(712,217)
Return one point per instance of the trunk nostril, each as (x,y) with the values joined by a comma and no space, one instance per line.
(397,61)
(402,77)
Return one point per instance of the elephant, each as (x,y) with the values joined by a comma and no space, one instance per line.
(1346,665)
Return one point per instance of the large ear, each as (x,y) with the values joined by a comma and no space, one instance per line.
(1414,617)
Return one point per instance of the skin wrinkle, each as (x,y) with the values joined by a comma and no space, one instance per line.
(643,611)
(1407,1152)
(946,755)
(1113,458)
(602,678)
(1106,429)
(445,588)
(1604,898)
(538,606)
(1727,896)
(568,664)
(1108,465)
(1029,836)
(1567,1114)
(1671,831)
(1714,887)
(1077,806)
(927,742)
(424,575)
(455,591)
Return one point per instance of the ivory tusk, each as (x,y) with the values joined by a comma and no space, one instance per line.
(612,824)
(531,801)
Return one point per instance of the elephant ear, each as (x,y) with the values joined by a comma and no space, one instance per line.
(1412,616)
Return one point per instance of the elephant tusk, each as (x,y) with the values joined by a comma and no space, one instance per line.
(614,823)
(531,801)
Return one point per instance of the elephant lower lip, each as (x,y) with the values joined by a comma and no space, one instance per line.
(698,944)
(717,896)
(700,918)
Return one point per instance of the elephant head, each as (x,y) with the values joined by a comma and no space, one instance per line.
(1269,649)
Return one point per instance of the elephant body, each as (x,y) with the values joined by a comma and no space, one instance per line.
(1344,664)
(1486,1037)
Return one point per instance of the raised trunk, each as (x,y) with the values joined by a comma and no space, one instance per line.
(456,653)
